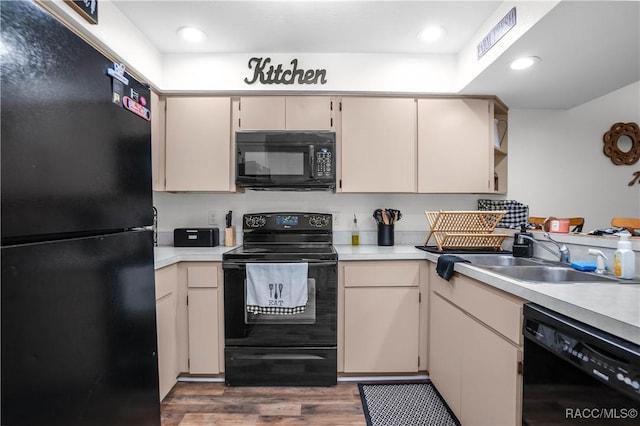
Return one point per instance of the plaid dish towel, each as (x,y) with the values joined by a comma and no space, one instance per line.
(277,288)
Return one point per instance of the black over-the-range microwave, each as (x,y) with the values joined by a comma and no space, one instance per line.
(286,160)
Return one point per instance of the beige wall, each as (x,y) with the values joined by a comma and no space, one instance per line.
(557,166)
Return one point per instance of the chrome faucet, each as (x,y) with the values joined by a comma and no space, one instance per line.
(563,252)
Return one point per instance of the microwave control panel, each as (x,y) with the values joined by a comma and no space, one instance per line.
(324,163)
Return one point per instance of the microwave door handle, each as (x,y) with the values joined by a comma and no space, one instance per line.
(311,161)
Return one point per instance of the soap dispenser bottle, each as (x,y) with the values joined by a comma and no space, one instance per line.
(521,246)
(624,262)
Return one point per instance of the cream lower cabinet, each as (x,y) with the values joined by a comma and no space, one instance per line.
(378,145)
(381,326)
(198,144)
(475,350)
(166,312)
(204,305)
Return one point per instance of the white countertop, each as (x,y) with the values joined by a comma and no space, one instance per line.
(614,308)
(165,256)
(371,252)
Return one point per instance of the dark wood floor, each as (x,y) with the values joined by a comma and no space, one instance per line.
(198,404)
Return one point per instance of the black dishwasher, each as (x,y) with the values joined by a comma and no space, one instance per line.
(575,374)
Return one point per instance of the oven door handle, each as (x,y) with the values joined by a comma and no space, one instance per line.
(276,356)
(311,262)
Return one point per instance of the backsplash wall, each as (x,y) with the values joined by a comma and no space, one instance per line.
(177,210)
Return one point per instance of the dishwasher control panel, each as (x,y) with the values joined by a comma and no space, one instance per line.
(611,360)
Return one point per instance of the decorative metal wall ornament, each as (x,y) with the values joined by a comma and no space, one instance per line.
(612,148)
(635,179)
(270,74)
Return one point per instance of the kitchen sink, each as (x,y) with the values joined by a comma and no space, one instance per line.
(548,274)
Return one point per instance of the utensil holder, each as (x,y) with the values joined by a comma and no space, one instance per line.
(385,235)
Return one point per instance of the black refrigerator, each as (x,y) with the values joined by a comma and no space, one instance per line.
(78,316)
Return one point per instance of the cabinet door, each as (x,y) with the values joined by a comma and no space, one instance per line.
(262,113)
(203,312)
(308,113)
(455,149)
(166,299)
(446,330)
(203,331)
(378,145)
(492,386)
(381,330)
(158,138)
(198,144)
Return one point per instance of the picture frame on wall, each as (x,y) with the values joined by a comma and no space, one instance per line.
(88,9)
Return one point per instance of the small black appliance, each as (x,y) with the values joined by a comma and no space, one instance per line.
(286,160)
(196,237)
(522,247)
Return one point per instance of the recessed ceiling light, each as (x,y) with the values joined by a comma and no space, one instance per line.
(192,34)
(524,62)
(431,34)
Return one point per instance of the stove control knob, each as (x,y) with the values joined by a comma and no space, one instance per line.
(318,221)
(255,221)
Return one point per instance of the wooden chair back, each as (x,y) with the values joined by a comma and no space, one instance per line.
(626,222)
(576,222)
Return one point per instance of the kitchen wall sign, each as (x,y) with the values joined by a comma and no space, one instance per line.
(264,73)
(622,143)
(88,9)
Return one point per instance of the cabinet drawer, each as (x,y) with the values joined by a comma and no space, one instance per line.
(497,309)
(202,276)
(382,274)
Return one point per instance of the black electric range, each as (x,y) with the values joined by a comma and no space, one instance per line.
(272,348)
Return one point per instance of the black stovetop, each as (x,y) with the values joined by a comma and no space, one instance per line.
(282,253)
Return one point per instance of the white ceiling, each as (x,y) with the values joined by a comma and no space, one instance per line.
(588,48)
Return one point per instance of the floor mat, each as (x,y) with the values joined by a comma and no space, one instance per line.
(405,404)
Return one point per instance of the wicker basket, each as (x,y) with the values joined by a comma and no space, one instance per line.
(465,229)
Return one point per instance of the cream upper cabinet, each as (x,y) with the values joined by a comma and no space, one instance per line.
(198,144)
(262,113)
(378,145)
(455,145)
(381,315)
(309,113)
(285,113)
(158,137)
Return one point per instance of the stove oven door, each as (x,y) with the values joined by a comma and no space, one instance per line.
(315,327)
(281,350)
